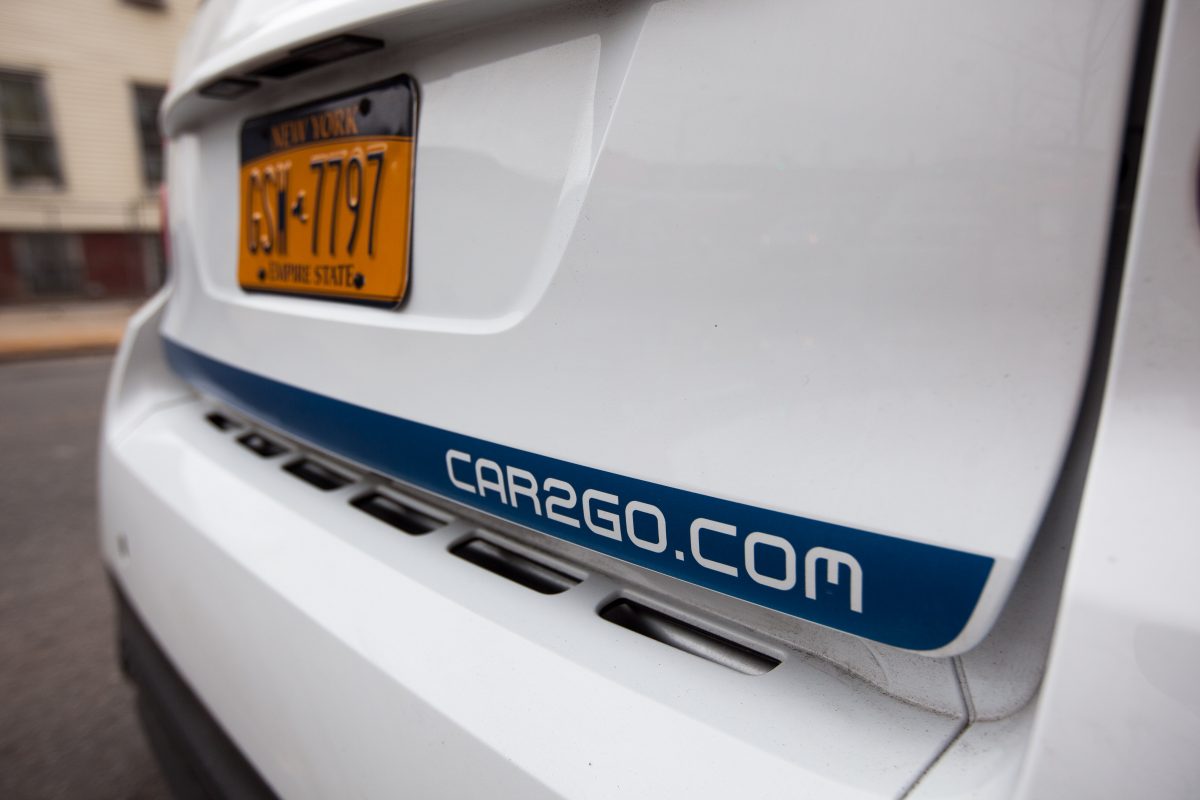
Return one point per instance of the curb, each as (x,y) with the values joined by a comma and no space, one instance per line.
(15,354)
(59,346)
(62,330)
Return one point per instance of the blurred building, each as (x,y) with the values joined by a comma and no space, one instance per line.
(80,155)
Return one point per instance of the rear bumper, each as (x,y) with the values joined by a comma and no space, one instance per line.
(197,757)
(346,657)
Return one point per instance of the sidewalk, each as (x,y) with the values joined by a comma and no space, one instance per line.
(63,329)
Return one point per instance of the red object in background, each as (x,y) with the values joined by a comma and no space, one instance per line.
(114,264)
(9,280)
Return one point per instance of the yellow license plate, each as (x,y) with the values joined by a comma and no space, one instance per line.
(326,197)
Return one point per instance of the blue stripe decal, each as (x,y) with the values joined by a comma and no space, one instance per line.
(903,593)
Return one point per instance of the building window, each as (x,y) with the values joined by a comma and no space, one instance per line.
(30,153)
(49,264)
(148,99)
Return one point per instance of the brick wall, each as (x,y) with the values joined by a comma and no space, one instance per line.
(101,264)
(9,281)
(114,264)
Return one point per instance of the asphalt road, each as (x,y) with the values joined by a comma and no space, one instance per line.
(67,722)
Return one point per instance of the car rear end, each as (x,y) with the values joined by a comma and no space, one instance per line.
(657,399)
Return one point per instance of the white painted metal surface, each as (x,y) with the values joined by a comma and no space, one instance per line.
(349,659)
(1121,707)
(865,299)
(840,260)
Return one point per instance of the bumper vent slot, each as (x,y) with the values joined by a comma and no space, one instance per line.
(267,448)
(688,638)
(396,514)
(416,517)
(324,478)
(222,422)
(515,567)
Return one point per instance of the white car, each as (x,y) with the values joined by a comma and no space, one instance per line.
(670,399)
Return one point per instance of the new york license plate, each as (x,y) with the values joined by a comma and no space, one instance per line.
(326,197)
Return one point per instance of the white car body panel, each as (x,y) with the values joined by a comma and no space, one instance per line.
(907,366)
(1130,623)
(837,261)
(477,671)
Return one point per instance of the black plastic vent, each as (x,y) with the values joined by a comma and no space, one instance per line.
(515,567)
(313,55)
(314,472)
(396,514)
(267,448)
(222,422)
(688,638)
(228,88)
